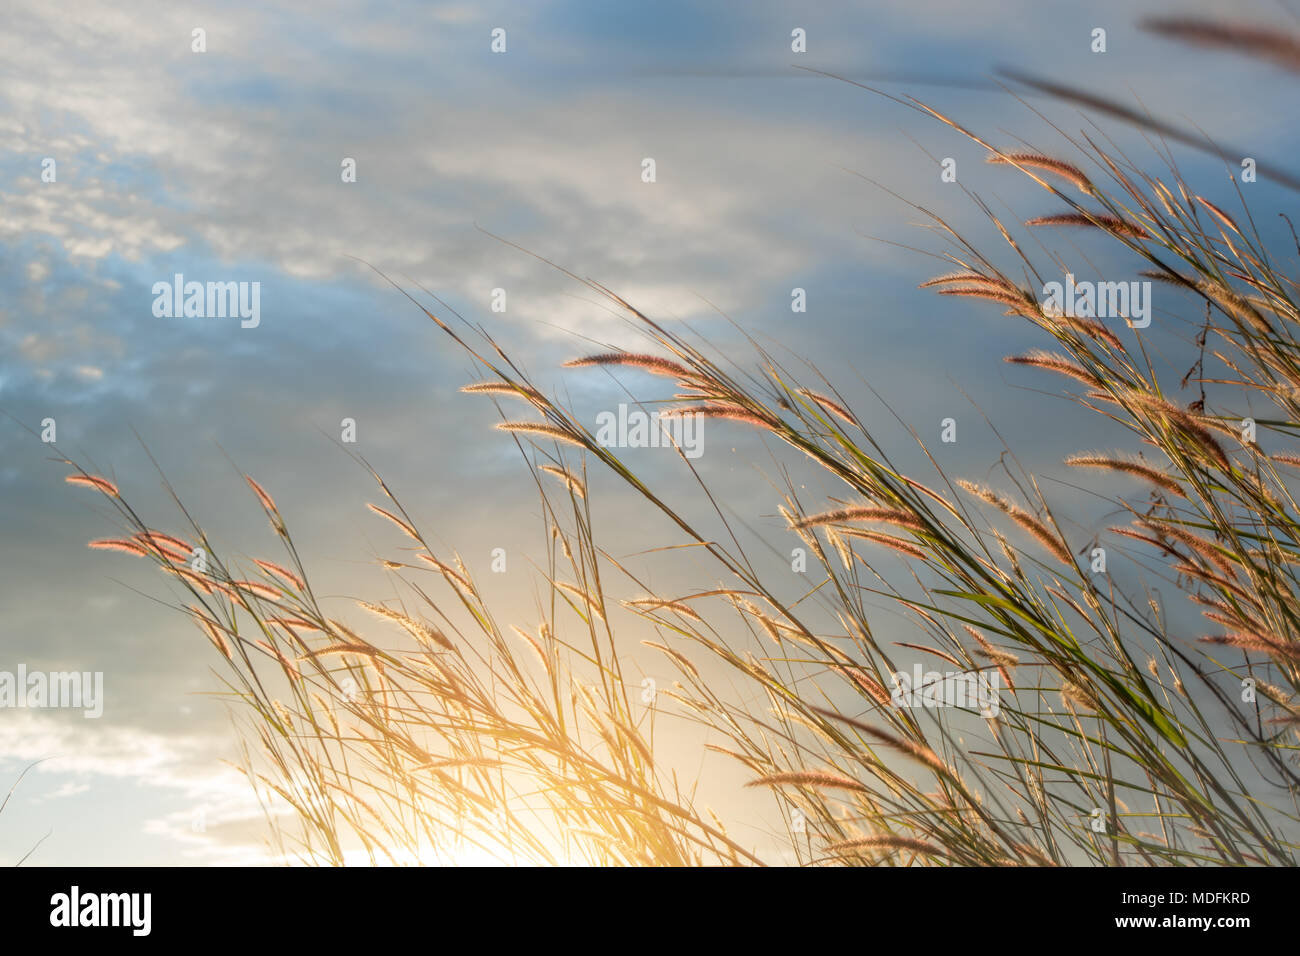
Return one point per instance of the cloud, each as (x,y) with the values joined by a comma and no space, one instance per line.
(68,789)
(226,165)
(222,821)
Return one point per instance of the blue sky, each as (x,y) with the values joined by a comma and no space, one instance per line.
(225,166)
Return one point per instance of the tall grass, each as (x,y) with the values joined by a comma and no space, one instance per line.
(525,739)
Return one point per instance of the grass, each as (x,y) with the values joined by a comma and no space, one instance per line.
(5,802)
(523,740)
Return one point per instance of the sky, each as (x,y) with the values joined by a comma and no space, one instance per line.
(227,165)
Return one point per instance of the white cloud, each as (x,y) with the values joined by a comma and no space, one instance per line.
(91,754)
(68,789)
